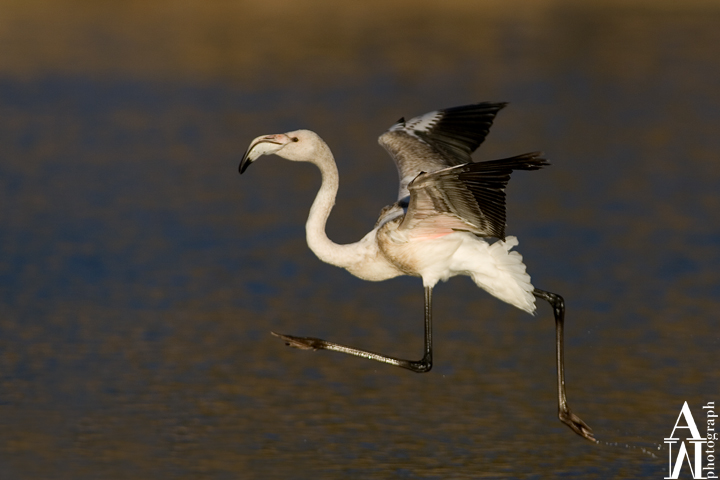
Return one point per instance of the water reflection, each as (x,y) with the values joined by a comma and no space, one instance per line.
(139,276)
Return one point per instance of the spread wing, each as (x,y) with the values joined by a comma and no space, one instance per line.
(469,197)
(437,140)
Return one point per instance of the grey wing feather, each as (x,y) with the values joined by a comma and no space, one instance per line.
(469,197)
(438,139)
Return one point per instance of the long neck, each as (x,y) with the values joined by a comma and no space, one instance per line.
(318,241)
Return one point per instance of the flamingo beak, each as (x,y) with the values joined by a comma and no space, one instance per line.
(246,160)
(263,145)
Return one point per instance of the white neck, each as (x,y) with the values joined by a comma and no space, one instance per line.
(318,241)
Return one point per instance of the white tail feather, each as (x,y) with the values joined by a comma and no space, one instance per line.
(509,280)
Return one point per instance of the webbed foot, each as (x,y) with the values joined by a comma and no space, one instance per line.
(303,343)
(576,424)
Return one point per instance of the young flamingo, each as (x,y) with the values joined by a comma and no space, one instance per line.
(447,208)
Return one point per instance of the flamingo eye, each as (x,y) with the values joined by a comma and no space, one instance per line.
(294,139)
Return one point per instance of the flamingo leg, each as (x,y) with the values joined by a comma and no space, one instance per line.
(564,413)
(419,366)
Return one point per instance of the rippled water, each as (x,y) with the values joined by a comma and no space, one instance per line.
(140,276)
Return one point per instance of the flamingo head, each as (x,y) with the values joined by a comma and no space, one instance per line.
(298,146)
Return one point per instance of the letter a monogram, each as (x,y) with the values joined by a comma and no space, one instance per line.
(682,454)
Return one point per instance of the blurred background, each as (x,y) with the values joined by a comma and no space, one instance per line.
(140,276)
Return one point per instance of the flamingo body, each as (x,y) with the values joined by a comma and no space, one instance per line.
(448,220)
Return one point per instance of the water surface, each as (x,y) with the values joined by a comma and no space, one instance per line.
(140,276)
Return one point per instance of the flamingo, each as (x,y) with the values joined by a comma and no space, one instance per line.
(448,208)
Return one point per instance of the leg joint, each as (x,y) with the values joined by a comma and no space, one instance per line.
(420,367)
(552,298)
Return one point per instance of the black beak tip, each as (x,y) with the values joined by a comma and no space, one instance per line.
(243,165)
